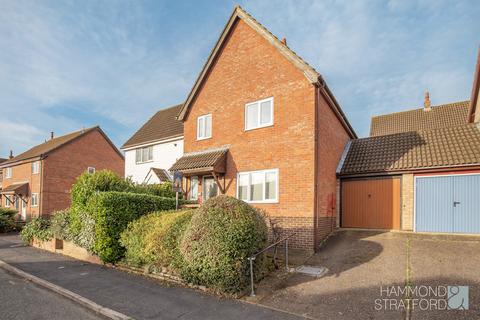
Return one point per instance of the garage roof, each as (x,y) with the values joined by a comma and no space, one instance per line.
(445,115)
(443,147)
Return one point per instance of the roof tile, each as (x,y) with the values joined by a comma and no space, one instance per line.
(445,115)
(162,125)
(442,147)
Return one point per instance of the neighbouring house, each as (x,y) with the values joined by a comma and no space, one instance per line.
(1,177)
(419,170)
(261,124)
(154,148)
(37,182)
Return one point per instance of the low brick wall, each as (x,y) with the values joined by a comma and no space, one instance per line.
(66,248)
(72,250)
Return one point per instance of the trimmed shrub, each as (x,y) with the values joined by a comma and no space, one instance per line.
(133,239)
(222,234)
(60,224)
(167,252)
(38,228)
(82,221)
(113,211)
(154,239)
(7,220)
(164,189)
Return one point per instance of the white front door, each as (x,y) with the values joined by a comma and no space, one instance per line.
(24,208)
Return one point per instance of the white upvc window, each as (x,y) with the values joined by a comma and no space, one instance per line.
(258,186)
(194,188)
(259,114)
(35,167)
(144,154)
(91,170)
(34,200)
(8,173)
(204,127)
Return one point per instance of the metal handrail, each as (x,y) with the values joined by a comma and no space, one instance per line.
(254,256)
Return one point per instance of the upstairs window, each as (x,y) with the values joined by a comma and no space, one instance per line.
(204,127)
(91,170)
(259,114)
(144,154)
(8,173)
(35,167)
(258,186)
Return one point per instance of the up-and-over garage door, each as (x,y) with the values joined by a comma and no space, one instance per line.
(448,203)
(371,203)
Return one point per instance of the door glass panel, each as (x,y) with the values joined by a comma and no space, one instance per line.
(209,188)
(194,188)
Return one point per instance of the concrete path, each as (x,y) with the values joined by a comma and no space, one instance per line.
(363,263)
(132,295)
(20,299)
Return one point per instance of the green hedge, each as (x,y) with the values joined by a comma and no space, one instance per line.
(113,211)
(162,190)
(86,185)
(222,234)
(60,224)
(38,228)
(7,219)
(154,239)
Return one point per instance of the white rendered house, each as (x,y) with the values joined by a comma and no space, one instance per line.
(154,147)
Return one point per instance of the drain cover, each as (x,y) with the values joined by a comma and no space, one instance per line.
(312,271)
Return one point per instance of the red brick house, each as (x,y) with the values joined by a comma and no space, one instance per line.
(37,182)
(261,124)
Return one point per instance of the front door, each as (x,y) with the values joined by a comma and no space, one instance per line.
(24,208)
(210,188)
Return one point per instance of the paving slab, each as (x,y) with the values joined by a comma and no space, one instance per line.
(132,295)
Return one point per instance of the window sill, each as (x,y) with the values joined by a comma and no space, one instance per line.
(262,202)
(206,138)
(261,127)
(144,162)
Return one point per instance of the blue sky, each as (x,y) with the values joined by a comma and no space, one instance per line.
(65,65)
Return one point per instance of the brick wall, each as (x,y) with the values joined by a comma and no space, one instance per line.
(332,138)
(64,165)
(407,201)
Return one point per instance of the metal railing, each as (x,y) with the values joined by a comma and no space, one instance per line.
(252,258)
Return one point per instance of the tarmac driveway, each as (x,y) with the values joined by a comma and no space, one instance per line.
(373,275)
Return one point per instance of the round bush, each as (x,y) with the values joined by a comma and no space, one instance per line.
(7,219)
(222,234)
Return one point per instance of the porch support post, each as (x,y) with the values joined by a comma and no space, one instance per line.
(222,189)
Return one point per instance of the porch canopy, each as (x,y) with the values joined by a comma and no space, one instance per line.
(211,161)
(16,188)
